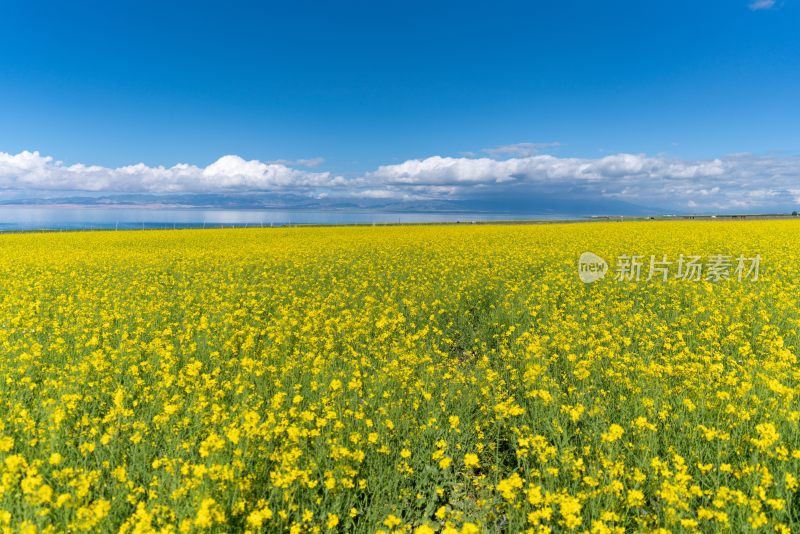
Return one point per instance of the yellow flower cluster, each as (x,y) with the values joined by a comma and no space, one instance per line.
(397,379)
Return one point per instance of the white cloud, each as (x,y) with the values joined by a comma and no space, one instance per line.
(309,162)
(438,170)
(757,5)
(740,181)
(736,182)
(32,171)
(520,149)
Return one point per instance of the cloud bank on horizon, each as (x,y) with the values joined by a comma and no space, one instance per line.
(740,182)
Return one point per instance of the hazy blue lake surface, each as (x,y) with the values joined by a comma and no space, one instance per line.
(21,218)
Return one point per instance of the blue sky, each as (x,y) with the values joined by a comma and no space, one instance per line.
(349,87)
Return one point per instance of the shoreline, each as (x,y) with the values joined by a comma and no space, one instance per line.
(135,227)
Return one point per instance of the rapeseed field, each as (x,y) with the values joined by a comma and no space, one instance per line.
(400,379)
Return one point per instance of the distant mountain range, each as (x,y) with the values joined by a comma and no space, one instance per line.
(542,204)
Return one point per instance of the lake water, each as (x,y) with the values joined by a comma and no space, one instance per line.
(20,218)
